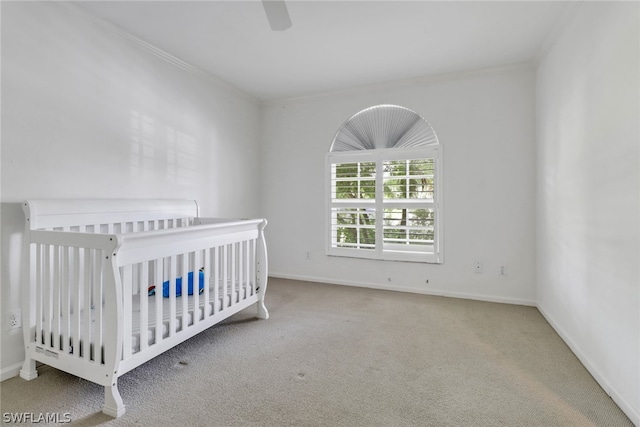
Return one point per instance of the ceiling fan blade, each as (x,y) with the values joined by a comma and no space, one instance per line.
(277,14)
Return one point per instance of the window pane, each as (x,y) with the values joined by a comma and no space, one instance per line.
(368,218)
(367,189)
(409,179)
(353,228)
(368,169)
(421,218)
(346,189)
(421,167)
(346,219)
(354,180)
(395,168)
(367,238)
(394,233)
(408,226)
(421,236)
(394,217)
(355,170)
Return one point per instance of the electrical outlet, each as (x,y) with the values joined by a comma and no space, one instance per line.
(308,255)
(478,268)
(15,319)
(503,270)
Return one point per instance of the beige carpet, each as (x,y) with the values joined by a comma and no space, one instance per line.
(339,356)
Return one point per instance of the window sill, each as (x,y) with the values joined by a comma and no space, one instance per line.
(398,256)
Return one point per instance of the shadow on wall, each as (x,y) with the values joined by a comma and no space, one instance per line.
(11,235)
(154,154)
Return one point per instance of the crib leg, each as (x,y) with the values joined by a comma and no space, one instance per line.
(28,371)
(113,404)
(263,313)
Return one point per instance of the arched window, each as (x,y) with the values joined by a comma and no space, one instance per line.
(384,198)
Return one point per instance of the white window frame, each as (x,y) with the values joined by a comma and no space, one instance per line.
(386,251)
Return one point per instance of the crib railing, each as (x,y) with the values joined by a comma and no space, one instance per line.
(68,269)
(89,295)
(224,262)
(71,302)
(156,304)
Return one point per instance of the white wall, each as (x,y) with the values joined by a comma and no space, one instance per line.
(588,194)
(485,121)
(87,113)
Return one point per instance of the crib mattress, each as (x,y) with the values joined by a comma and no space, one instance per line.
(203,307)
(225,294)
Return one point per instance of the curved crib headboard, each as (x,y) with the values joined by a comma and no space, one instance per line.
(49,213)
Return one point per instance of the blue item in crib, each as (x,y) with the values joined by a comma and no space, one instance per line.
(165,285)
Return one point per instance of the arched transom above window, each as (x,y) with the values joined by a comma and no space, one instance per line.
(384,126)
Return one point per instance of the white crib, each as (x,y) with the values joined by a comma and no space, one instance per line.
(93,265)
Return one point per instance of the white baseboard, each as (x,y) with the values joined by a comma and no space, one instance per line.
(10,371)
(434,292)
(600,378)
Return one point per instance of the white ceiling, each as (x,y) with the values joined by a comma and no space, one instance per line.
(334,45)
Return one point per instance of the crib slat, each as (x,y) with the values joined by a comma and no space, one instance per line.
(248,276)
(158,278)
(252,263)
(55,301)
(144,309)
(185,291)
(85,338)
(222,277)
(76,301)
(47,295)
(247,268)
(46,279)
(39,294)
(247,273)
(172,296)
(226,298)
(95,272)
(207,278)
(239,267)
(99,267)
(215,273)
(243,269)
(232,265)
(66,295)
(127,296)
(196,287)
